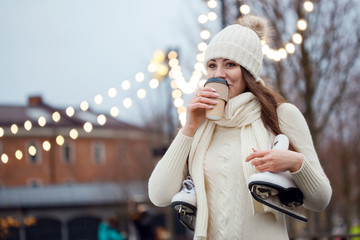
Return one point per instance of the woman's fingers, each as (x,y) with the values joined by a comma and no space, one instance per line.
(207,92)
(275,160)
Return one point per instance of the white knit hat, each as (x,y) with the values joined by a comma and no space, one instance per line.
(240,44)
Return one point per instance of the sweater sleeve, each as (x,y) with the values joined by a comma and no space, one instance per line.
(310,178)
(167,176)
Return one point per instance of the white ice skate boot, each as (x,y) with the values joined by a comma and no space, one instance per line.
(184,202)
(278,190)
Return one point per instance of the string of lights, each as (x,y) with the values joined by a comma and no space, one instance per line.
(161,65)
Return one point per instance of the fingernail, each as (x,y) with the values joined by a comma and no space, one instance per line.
(213,89)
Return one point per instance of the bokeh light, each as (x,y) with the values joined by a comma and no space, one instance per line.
(88,127)
(27,125)
(101,119)
(14,128)
(74,134)
(56,116)
(60,140)
(70,111)
(84,106)
(18,154)
(46,145)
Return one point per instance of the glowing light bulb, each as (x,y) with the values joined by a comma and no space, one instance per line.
(282,53)
(127,102)
(14,129)
(176,93)
(4,158)
(1,132)
(179,102)
(202,46)
(141,93)
(46,145)
(244,9)
(84,106)
(172,54)
(173,84)
(297,38)
(154,83)
(173,62)
(139,77)
(126,85)
(308,6)
(27,125)
(112,92)
(265,49)
(74,134)
(98,99)
(203,19)
(290,48)
(212,4)
(159,56)
(162,70)
(56,116)
(205,34)
(88,127)
(114,111)
(152,67)
(200,57)
(181,109)
(101,119)
(60,140)
(212,16)
(18,154)
(70,111)
(32,150)
(301,25)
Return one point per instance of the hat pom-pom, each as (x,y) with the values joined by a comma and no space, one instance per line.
(258,24)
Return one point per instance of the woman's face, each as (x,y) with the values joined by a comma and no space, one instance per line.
(228,70)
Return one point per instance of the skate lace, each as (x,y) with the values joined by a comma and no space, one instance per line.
(188,185)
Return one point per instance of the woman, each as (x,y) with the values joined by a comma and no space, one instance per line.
(223,154)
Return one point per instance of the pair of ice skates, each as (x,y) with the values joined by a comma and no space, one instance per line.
(276,190)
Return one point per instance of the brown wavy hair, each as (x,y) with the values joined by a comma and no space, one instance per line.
(269,101)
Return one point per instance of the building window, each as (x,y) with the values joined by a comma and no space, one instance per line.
(98,153)
(34,182)
(33,152)
(123,152)
(68,153)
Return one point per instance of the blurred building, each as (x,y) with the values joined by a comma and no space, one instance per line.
(63,171)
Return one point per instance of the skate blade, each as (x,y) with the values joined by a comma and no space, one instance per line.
(289,197)
(190,209)
(275,203)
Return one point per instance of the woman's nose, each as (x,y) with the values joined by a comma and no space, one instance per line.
(220,72)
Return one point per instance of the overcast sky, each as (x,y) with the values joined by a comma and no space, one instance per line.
(70,50)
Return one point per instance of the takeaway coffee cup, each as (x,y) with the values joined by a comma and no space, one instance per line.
(222,88)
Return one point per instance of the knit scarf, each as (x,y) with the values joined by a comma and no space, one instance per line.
(243,112)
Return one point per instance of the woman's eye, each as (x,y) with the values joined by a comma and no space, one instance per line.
(211,65)
(230,64)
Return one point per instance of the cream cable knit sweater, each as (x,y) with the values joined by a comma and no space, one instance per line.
(167,176)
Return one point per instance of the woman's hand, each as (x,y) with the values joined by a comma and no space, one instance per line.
(276,160)
(195,111)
